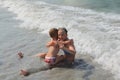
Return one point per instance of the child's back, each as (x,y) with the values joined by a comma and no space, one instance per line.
(53,48)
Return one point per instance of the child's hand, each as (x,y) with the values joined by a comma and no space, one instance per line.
(71,41)
(61,45)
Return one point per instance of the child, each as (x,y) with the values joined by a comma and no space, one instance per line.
(53,48)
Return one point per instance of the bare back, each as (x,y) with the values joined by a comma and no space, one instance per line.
(52,51)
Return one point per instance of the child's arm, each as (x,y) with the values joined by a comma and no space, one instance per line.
(62,43)
(68,41)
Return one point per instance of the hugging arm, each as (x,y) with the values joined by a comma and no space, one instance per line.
(70,48)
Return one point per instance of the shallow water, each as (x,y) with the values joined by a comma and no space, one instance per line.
(24,27)
(29,42)
(97,5)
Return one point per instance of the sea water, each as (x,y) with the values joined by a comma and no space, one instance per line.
(93,24)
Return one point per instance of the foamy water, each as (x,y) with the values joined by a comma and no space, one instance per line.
(95,33)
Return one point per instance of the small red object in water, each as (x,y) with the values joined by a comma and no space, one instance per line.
(20,54)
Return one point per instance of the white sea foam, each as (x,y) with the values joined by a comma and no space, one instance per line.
(97,34)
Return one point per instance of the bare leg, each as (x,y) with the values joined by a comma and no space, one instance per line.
(41,55)
(27,72)
(59,58)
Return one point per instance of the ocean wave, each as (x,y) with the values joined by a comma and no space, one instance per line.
(95,33)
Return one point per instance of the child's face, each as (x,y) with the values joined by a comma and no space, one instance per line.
(62,35)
